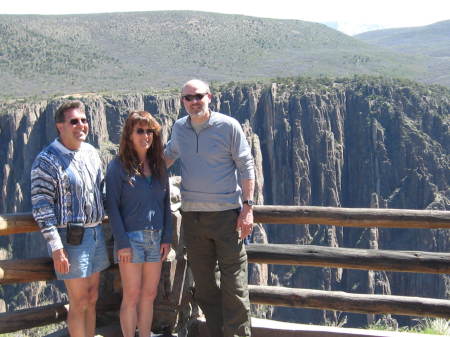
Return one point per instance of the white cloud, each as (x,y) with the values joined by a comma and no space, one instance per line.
(352,28)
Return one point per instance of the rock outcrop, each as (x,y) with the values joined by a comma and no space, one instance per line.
(352,143)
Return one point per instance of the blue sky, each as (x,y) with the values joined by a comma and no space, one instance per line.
(349,16)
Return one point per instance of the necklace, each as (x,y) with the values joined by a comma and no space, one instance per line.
(144,170)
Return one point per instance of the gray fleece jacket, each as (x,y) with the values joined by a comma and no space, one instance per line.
(211,160)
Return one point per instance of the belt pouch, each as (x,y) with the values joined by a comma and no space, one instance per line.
(75,233)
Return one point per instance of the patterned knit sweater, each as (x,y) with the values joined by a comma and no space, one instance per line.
(66,187)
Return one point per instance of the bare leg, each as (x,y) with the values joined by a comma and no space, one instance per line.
(91,316)
(131,275)
(150,280)
(83,294)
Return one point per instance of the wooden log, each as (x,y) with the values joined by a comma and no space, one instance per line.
(30,318)
(29,270)
(363,259)
(49,314)
(17,223)
(352,217)
(19,271)
(347,302)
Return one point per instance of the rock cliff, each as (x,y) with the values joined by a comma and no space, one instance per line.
(363,142)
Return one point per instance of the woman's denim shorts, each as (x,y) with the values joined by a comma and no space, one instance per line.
(145,246)
(87,258)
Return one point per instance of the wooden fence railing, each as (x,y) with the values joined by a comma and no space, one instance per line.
(17,271)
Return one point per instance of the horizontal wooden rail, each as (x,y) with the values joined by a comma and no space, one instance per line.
(17,223)
(41,269)
(347,302)
(351,217)
(50,314)
(364,259)
(278,296)
(31,318)
(29,270)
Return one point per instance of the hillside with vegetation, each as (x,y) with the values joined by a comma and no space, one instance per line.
(62,54)
(432,41)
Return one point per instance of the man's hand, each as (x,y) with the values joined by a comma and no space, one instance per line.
(164,251)
(244,224)
(60,261)
(125,255)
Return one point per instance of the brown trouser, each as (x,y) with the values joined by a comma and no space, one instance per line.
(211,240)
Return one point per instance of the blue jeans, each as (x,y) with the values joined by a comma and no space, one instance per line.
(145,246)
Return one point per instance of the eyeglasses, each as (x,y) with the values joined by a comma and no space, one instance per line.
(141,131)
(198,97)
(75,121)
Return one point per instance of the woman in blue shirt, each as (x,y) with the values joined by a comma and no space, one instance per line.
(138,205)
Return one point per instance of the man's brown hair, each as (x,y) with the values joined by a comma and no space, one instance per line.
(66,106)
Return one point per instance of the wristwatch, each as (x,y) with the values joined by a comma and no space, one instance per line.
(249,202)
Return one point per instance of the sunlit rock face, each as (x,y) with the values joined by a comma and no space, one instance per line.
(349,143)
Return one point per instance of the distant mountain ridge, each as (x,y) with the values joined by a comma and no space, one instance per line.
(59,54)
(431,40)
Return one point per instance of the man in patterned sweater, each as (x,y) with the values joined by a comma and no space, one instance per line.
(66,195)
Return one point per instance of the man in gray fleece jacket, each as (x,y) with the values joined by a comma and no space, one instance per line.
(216,214)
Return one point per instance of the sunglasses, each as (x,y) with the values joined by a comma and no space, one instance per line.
(198,97)
(141,131)
(75,121)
